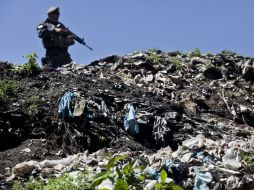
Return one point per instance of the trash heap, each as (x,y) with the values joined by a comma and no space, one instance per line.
(189,114)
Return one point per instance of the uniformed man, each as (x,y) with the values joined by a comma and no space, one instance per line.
(55,39)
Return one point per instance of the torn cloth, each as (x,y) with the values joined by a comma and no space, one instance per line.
(64,107)
(130,121)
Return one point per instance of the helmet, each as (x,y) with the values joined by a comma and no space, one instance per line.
(53,10)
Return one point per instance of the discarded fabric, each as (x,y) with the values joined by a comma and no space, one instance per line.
(152,173)
(130,122)
(64,107)
(201,180)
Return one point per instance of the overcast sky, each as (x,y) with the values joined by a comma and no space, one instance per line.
(123,26)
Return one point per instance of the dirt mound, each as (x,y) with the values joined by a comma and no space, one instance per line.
(175,96)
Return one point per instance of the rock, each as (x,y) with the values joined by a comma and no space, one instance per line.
(79,108)
(25,168)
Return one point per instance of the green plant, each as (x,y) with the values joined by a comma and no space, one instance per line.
(31,66)
(248,157)
(16,185)
(228,53)
(33,102)
(195,53)
(7,89)
(32,110)
(154,57)
(80,182)
(252,88)
(166,186)
(122,176)
(209,53)
(178,64)
(34,184)
(102,139)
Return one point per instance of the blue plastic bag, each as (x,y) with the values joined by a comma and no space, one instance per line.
(64,107)
(201,180)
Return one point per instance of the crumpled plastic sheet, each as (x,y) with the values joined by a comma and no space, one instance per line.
(205,159)
(64,107)
(169,164)
(143,117)
(152,173)
(130,121)
(201,180)
(160,129)
(194,142)
(104,108)
(231,159)
(232,182)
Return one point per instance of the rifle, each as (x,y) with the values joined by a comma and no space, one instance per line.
(78,39)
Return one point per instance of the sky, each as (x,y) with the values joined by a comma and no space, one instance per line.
(120,27)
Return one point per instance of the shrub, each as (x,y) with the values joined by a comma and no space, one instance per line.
(195,53)
(228,53)
(166,186)
(33,103)
(209,54)
(122,176)
(252,88)
(178,64)
(154,57)
(7,88)
(81,181)
(31,66)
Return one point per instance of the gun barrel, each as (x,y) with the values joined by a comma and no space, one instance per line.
(88,47)
(80,40)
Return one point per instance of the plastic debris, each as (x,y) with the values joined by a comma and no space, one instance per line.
(160,129)
(130,122)
(231,159)
(201,180)
(152,173)
(64,107)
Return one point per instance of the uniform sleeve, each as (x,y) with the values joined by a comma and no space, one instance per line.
(61,25)
(44,31)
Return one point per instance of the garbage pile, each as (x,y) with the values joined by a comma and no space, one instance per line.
(189,114)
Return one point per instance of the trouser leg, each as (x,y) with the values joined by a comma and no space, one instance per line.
(58,59)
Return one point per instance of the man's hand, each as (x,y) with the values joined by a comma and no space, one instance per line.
(59,30)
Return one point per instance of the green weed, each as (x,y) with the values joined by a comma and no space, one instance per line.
(80,182)
(247,157)
(166,186)
(154,57)
(31,66)
(195,53)
(252,88)
(228,53)
(33,108)
(7,89)
(124,175)
(178,64)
